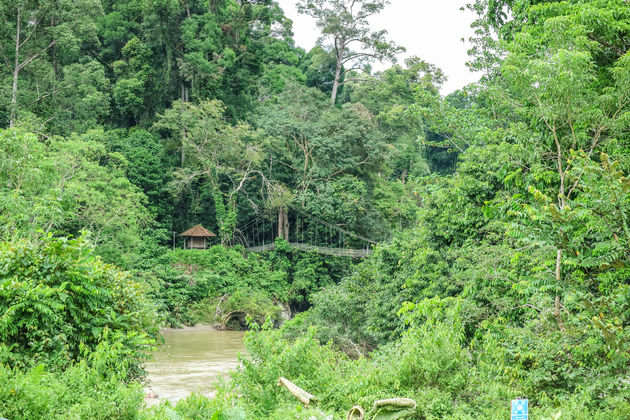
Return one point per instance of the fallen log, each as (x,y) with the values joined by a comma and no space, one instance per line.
(303,396)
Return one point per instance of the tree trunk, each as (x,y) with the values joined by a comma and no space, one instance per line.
(283,224)
(333,96)
(183,146)
(280,224)
(561,204)
(556,311)
(16,71)
(55,63)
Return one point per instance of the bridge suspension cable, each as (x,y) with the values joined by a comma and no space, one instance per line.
(311,234)
(331,225)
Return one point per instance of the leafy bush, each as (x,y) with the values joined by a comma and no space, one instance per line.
(222,407)
(189,284)
(69,185)
(79,392)
(58,302)
(244,304)
(430,363)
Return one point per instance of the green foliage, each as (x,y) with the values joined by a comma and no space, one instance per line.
(389,97)
(330,159)
(203,286)
(412,368)
(431,364)
(199,407)
(533,248)
(503,268)
(193,286)
(243,304)
(146,168)
(133,72)
(59,303)
(77,393)
(66,187)
(49,75)
(345,23)
(320,69)
(213,152)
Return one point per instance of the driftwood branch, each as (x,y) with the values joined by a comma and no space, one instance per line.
(399,405)
(303,396)
(217,311)
(356,413)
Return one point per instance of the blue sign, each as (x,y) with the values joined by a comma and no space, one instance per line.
(520,410)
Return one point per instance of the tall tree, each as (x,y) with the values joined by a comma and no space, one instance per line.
(31,30)
(345,23)
(220,157)
(389,98)
(569,83)
(66,186)
(329,158)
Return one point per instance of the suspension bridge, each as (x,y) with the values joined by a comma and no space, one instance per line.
(302,231)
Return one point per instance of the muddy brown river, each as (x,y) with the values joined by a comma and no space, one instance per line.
(192,360)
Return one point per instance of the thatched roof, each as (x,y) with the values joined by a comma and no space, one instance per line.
(198,232)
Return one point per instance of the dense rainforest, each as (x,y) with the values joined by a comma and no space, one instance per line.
(500,211)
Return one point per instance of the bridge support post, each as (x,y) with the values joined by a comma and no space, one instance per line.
(283,224)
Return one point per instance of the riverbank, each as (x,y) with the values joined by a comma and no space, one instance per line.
(187,328)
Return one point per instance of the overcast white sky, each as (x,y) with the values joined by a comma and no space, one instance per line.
(429,29)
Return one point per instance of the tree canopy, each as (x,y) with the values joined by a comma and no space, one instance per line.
(494,220)
(345,24)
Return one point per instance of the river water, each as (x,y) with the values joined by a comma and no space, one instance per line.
(192,360)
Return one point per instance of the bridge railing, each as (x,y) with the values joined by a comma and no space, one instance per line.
(339,252)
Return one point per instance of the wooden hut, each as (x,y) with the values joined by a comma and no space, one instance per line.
(196,237)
